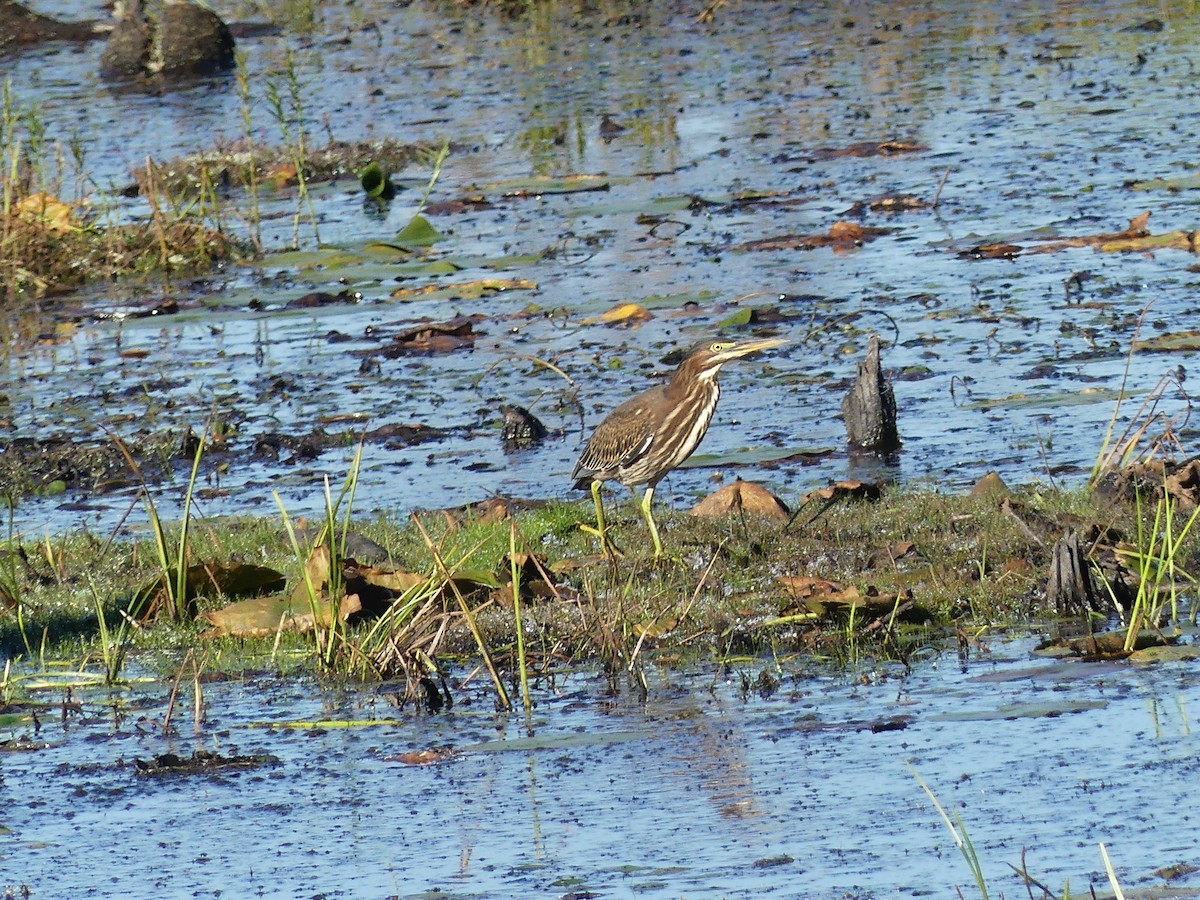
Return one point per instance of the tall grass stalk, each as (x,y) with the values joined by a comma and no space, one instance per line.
(1156,560)
(1118,894)
(328,641)
(959,834)
(439,160)
(502,698)
(289,116)
(172,561)
(254,220)
(114,647)
(522,665)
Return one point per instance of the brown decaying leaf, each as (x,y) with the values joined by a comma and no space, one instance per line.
(435,337)
(864,149)
(621,314)
(844,490)
(742,497)
(1136,238)
(841,236)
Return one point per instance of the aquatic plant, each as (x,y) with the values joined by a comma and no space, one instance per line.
(290,117)
(114,646)
(329,637)
(170,590)
(1156,558)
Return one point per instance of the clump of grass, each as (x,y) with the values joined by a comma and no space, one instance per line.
(1156,559)
(169,592)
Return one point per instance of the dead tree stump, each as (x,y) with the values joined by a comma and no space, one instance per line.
(869,410)
(1070,590)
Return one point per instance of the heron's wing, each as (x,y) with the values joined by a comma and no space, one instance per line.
(621,439)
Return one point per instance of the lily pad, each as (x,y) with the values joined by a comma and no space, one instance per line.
(1048,401)
(545,184)
(753,456)
(467,290)
(1048,710)
(1165,343)
(419,233)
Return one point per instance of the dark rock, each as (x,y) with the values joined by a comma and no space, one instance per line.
(194,41)
(185,40)
(521,427)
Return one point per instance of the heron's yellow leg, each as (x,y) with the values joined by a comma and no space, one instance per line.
(599,514)
(647,499)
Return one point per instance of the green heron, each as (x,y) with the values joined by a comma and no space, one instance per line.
(649,435)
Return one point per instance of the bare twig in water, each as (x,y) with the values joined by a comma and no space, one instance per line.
(937,195)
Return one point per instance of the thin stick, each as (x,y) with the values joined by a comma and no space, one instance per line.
(937,195)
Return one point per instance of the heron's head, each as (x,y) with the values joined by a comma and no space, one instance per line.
(706,359)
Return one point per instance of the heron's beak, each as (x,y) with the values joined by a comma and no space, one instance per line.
(745,348)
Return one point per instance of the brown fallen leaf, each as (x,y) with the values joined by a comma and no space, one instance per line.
(864,149)
(622,314)
(424,757)
(841,236)
(850,489)
(264,616)
(742,497)
(435,337)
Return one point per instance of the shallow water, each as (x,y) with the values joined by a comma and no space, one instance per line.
(704,790)
(1041,113)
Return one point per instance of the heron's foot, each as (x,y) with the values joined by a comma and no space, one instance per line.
(607,547)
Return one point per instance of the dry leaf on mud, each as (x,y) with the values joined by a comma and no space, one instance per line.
(435,337)
(841,236)
(263,616)
(742,497)
(49,212)
(622,314)
(844,490)
(424,757)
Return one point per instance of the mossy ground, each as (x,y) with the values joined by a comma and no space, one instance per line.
(926,564)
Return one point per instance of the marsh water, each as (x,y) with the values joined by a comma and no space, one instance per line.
(709,788)
(1033,120)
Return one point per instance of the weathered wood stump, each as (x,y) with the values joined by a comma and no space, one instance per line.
(869,410)
(1071,590)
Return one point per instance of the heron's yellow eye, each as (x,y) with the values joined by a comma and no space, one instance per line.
(719,347)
